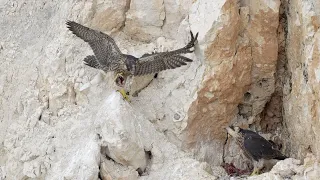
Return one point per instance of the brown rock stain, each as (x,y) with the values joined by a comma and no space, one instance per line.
(245,41)
(315,20)
(262,31)
(223,89)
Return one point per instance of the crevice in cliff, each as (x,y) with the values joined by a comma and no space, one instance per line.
(272,115)
(165,16)
(145,171)
(224,150)
(104,151)
(99,174)
(127,8)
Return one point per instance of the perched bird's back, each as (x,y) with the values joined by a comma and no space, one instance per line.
(254,145)
(259,147)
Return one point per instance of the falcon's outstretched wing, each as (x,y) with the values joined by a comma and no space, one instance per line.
(153,63)
(159,62)
(103,46)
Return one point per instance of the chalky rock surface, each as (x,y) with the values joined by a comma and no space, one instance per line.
(256,65)
(302,90)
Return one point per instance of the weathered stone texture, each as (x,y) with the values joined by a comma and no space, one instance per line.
(241,58)
(145,19)
(301,101)
(60,119)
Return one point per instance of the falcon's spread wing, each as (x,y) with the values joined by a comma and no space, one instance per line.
(153,63)
(103,46)
(159,62)
(258,147)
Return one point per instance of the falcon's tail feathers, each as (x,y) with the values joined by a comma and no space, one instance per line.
(91,61)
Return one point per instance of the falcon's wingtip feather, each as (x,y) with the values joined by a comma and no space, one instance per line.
(69,23)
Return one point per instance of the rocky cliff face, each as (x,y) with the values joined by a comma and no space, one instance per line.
(301,100)
(257,65)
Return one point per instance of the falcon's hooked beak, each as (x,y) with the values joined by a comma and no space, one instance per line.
(120,81)
(233,131)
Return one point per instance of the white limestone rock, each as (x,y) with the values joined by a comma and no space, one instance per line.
(287,167)
(127,134)
(144,19)
(109,15)
(56,114)
(292,169)
(117,125)
(111,170)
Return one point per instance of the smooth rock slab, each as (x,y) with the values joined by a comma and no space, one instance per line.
(117,126)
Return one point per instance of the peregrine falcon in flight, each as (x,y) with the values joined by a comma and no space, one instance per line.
(255,147)
(108,57)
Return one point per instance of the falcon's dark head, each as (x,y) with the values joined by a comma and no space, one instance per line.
(237,132)
(131,63)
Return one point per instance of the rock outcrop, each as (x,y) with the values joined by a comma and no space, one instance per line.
(240,59)
(301,98)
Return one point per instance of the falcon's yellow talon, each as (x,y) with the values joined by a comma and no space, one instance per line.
(255,172)
(124,94)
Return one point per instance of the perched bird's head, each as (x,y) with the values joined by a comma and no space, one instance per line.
(235,131)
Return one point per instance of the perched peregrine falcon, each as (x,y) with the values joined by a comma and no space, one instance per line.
(255,147)
(108,57)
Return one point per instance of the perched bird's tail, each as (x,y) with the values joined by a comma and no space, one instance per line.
(91,61)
